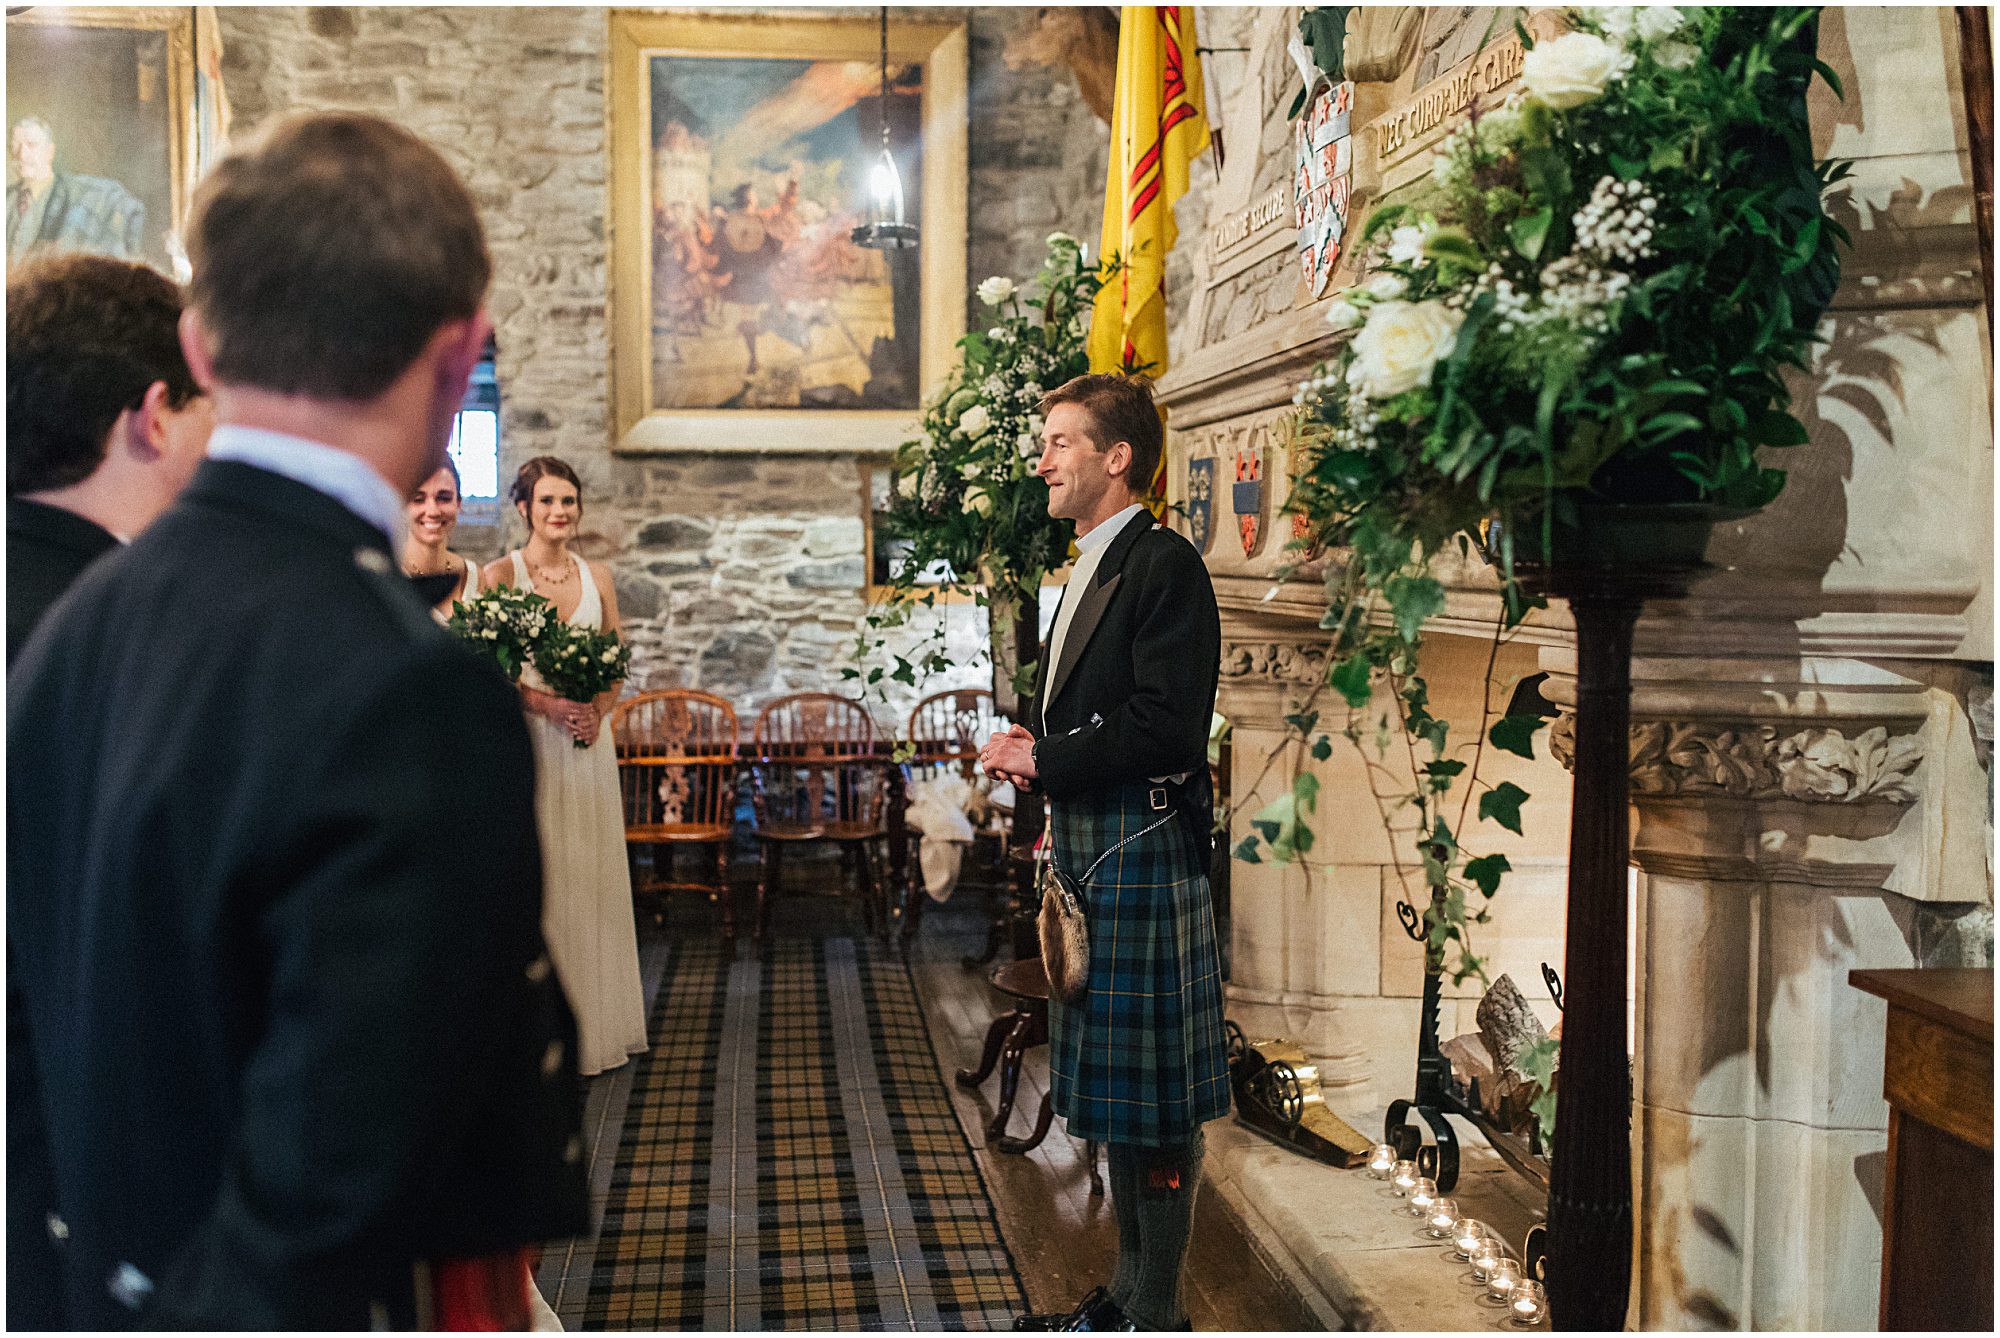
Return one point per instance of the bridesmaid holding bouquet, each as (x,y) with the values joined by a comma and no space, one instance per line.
(586,886)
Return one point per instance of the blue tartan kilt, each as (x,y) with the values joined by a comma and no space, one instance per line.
(1141,1059)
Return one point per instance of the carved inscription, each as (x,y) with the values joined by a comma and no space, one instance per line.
(1246,225)
(1413,125)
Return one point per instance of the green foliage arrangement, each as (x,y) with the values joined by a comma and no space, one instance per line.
(965,509)
(516,628)
(1591,301)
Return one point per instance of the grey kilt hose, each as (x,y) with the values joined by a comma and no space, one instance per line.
(1141,1058)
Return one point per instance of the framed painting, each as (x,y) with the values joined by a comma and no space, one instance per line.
(105,131)
(745,318)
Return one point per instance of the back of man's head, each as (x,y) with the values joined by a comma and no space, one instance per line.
(86,337)
(328,253)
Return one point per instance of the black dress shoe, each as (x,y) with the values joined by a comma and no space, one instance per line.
(1099,1314)
(1055,1323)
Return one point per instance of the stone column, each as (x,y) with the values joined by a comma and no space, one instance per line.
(1780,853)
(1302,944)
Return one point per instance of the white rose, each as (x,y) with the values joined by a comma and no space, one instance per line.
(1675,55)
(1400,346)
(1342,314)
(1406,244)
(974,421)
(1618,21)
(1571,70)
(997,333)
(1386,287)
(979,501)
(1652,22)
(1063,241)
(996,290)
(1028,445)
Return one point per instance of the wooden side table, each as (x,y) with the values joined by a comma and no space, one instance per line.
(1937,1212)
(1008,1040)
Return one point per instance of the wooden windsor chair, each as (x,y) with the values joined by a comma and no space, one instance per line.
(946,731)
(818,778)
(677,777)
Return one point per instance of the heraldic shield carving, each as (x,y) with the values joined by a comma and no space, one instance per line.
(1249,492)
(1201,502)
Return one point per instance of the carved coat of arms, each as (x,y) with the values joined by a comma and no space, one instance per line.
(1201,502)
(1323,157)
(1248,495)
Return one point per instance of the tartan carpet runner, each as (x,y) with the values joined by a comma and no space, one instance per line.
(790,1160)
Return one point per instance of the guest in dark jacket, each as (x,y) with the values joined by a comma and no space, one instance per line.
(274,893)
(1127,689)
(105,424)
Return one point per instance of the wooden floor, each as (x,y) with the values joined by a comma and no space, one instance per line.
(1064,1239)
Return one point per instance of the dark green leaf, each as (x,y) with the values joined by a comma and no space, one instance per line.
(1484,872)
(1502,804)
(1516,734)
(1246,850)
(1350,678)
(1322,748)
(1776,428)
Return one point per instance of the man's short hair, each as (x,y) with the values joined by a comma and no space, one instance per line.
(1120,408)
(33,123)
(86,336)
(328,253)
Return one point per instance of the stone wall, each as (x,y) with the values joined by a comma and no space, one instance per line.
(742,575)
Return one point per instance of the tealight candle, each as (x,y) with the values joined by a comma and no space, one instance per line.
(1466,1233)
(1422,1195)
(1488,1255)
(1504,1279)
(1443,1214)
(1382,1161)
(1529,1303)
(1403,1178)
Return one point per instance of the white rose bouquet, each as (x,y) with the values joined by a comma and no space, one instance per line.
(504,625)
(579,663)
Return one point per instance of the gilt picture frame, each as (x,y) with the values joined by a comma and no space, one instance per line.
(110,100)
(744,319)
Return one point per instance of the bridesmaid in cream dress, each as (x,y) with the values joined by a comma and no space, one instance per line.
(586,887)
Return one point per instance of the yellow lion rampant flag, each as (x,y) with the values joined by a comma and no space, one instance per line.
(1157,128)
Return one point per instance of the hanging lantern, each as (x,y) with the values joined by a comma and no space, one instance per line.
(886,228)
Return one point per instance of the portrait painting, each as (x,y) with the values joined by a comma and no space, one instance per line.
(748,317)
(100,116)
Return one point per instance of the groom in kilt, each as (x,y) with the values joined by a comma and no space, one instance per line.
(1127,689)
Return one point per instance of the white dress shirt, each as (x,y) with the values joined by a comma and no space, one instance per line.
(341,475)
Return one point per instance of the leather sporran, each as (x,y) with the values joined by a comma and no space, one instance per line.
(1065,935)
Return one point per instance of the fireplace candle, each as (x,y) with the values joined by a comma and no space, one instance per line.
(1466,1233)
(1382,1161)
(1529,1303)
(1444,1213)
(1422,1195)
(1488,1255)
(1403,1178)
